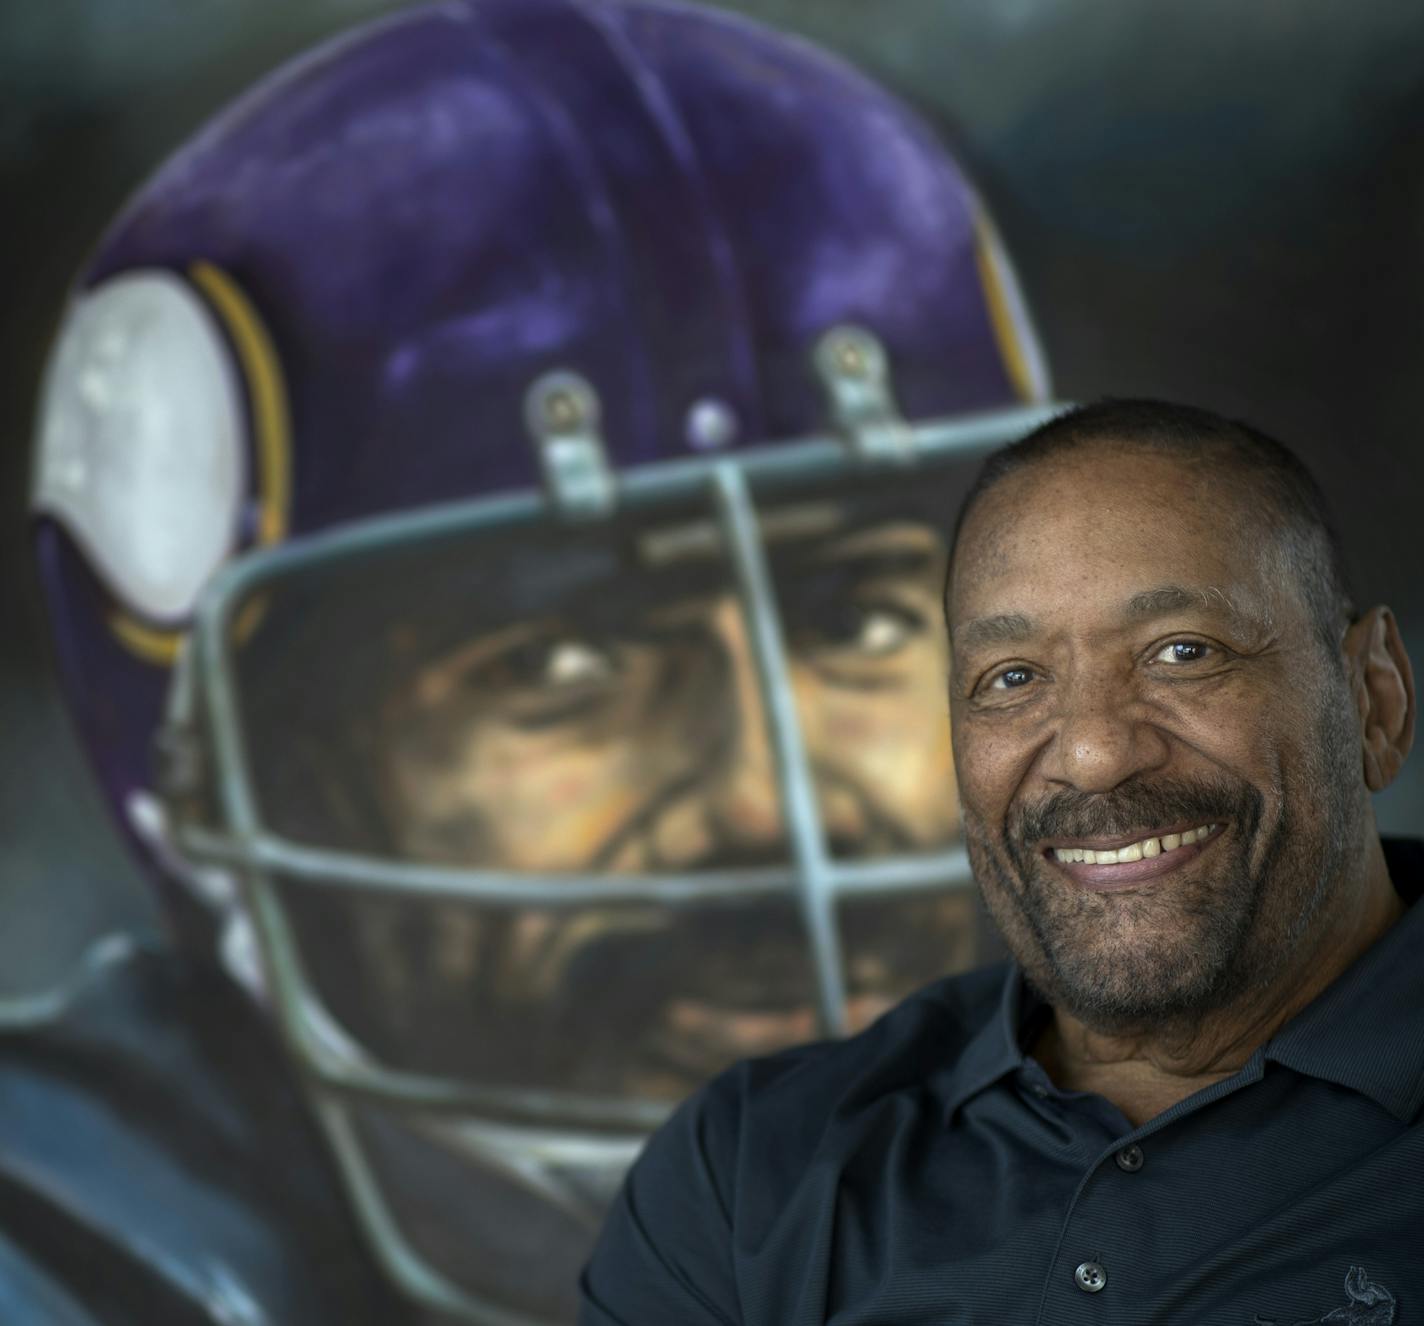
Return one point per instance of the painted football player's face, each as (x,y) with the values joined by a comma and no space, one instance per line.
(629,734)
(614,723)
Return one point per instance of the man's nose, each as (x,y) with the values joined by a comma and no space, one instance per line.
(1104,736)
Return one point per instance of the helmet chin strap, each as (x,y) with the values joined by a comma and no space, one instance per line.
(214,887)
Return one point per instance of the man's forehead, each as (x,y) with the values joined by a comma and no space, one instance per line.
(1105,527)
(1243,613)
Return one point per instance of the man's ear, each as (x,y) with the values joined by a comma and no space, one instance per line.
(1382,683)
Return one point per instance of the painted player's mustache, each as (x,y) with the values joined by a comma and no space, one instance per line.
(715,955)
(1126,809)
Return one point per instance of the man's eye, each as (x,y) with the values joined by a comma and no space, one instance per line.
(1010,679)
(1183,651)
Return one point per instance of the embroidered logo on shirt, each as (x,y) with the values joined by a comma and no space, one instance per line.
(1370,1304)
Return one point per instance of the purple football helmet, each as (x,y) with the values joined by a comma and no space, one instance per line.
(427,323)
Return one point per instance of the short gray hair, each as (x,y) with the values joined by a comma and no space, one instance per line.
(1291,500)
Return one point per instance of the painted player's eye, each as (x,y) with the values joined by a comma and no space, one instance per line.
(556,663)
(552,662)
(872,630)
(569,662)
(882,630)
(555,676)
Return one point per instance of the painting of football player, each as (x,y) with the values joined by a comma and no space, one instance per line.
(616,726)
(490,497)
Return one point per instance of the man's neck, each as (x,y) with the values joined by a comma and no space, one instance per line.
(1148,1071)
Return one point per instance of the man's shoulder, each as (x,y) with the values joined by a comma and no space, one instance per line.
(923,1035)
(771,1136)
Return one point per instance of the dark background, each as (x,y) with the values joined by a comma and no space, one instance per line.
(1217,202)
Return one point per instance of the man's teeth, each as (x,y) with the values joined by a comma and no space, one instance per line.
(1168,842)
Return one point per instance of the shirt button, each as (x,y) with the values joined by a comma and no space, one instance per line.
(1090,1277)
(1129,1159)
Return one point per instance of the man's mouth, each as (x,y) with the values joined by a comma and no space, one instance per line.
(1105,864)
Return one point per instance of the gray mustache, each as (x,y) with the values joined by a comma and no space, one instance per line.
(1129,808)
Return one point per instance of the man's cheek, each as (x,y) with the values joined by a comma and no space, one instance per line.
(972,786)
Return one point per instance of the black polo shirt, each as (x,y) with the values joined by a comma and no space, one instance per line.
(928,1171)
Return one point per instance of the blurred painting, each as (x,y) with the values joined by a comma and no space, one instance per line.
(492,494)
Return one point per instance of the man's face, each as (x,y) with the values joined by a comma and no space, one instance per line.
(1133,668)
(614,723)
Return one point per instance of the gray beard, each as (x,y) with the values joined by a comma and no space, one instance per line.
(1159,958)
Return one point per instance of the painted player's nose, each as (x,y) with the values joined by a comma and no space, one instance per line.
(739,798)
(725,805)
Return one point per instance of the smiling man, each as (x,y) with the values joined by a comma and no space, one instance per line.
(1196,1093)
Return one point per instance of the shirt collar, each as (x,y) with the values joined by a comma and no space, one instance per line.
(995,1050)
(1365,1031)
